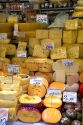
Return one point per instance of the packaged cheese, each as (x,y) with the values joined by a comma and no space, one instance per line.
(72,24)
(69,37)
(40,52)
(33,42)
(55,33)
(59,53)
(80,36)
(42,34)
(73,51)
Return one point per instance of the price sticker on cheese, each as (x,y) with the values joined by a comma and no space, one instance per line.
(67,62)
(13,68)
(42,18)
(21,54)
(53,92)
(49,46)
(70,97)
(3,116)
(21,34)
(36,81)
(3,35)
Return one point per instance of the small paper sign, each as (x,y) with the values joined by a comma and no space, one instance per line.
(70,97)
(49,46)
(36,81)
(3,116)
(42,18)
(22,54)
(19,34)
(15,27)
(67,62)
(3,35)
(53,91)
(13,68)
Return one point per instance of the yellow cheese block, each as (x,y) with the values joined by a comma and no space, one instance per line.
(12,19)
(11,49)
(72,24)
(8,103)
(33,42)
(53,43)
(6,28)
(40,52)
(8,95)
(69,37)
(22,46)
(80,36)
(3,52)
(4,60)
(3,18)
(73,51)
(12,114)
(80,63)
(4,41)
(30,50)
(78,14)
(59,53)
(41,34)
(55,33)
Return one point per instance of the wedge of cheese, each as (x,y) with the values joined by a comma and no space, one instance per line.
(59,53)
(55,33)
(40,52)
(80,36)
(42,34)
(69,37)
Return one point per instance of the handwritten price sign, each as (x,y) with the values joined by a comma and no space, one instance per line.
(22,54)
(36,81)
(53,92)
(42,18)
(13,68)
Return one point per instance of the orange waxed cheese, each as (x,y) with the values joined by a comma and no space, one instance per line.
(51,115)
(58,85)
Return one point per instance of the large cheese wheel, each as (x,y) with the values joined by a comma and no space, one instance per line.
(58,85)
(81,77)
(51,115)
(29,115)
(52,101)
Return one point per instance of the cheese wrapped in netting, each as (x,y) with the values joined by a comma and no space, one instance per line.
(58,53)
(69,37)
(11,49)
(60,65)
(72,24)
(42,34)
(51,43)
(80,36)
(73,51)
(22,46)
(40,52)
(55,33)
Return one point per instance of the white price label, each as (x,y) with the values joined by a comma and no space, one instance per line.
(67,62)
(70,97)
(53,91)
(15,27)
(19,34)
(22,54)
(36,81)
(3,116)
(42,18)
(49,46)
(3,35)
(13,68)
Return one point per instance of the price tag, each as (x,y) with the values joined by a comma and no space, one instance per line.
(22,54)
(15,27)
(70,97)
(42,18)
(19,34)
(3,35)
(53,91)
(3,116)
(13,68)
(49,46)
(67,62)
(36,81)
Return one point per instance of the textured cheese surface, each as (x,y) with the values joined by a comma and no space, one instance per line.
(33,42)
(55,33)
(69,37)
(73,51)
(59,53)
(80,36)
(22,46)
(80,63)
(41,34)
(11,49)
(40,52)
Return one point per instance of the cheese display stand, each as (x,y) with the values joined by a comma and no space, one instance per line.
(41,62)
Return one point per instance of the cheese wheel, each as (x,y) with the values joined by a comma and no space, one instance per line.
(52,101)
(29,115)
(58,85)
(51,115)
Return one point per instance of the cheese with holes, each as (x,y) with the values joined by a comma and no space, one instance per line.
(59,53)
(51,43)
(80,36)
(41,34)
(12,114)
(69,37)
(40,52)
(55,33)
(73,51)
(57,77)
